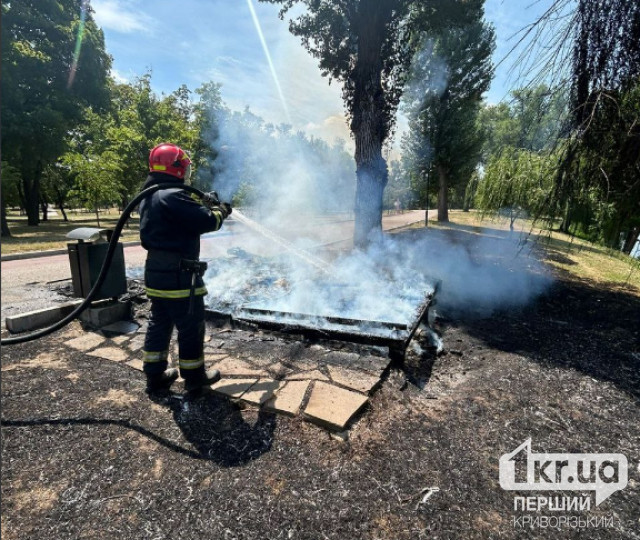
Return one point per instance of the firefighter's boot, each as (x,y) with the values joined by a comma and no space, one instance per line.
(162,381)
(207,378)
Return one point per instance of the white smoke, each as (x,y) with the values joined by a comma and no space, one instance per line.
(387,282)
(300,190)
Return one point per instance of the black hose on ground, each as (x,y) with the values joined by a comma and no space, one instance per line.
(105,265)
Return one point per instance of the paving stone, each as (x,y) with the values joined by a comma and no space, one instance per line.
(136,364)
(239,368)
(370,363)
(288,399)
(333,407)
(356,380)
(136,343)
(86,342)
(314,375)
(233,388)
(121,327)
(262,391)
(279,371)
(119,340)
(110,353)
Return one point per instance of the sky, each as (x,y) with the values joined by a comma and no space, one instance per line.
(191,42)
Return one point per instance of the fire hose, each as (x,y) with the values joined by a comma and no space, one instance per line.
(207,198)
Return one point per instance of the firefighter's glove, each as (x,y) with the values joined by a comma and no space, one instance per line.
(211,200)
(225,209)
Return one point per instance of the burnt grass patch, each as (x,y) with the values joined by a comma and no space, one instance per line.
(86,454)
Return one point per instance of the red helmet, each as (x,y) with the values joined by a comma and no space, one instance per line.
(170,159)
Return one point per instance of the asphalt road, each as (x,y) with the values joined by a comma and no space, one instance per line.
(30,284)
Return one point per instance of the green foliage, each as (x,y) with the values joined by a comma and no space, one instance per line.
(516,181)
(450,73)
(532,119)
(10,185)
(96,179)
(42,98)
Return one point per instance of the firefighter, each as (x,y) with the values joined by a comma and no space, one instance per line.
(171,222)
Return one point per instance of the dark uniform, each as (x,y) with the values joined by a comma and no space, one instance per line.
(171,222)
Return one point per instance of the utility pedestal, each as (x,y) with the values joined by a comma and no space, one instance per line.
(86,258)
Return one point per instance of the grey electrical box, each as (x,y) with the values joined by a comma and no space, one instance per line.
(86,258)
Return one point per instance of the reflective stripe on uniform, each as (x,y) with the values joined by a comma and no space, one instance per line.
(155,356)
(191,364)
(218,216)
(182,293)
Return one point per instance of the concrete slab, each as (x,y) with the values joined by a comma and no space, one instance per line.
(262,391)
(314,375)
(288,399)
(236,367)
(278,371)
(121,327)
(136,343)
(356,380)
(136,364)
(332,407)
(233,388)
(114,354)
(85,342)
(39,318)
(107,314)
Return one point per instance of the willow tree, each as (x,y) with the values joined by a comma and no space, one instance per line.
(595,52)
(367,46)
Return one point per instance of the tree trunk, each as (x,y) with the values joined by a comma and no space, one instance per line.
(31,188)
(443,195)
(368,122)
(97,215)
(566,219)
(45,210)
(6,233)
(61,207)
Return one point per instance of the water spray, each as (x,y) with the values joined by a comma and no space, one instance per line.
(299,253)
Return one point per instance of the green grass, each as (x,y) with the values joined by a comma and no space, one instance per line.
(581,259)
(51,234)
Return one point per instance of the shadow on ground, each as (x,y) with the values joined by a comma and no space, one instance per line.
(213,425)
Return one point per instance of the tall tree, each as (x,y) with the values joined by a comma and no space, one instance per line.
(53,65)
(367,46)
(450,73)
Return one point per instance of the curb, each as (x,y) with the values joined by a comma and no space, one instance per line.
(48,253)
